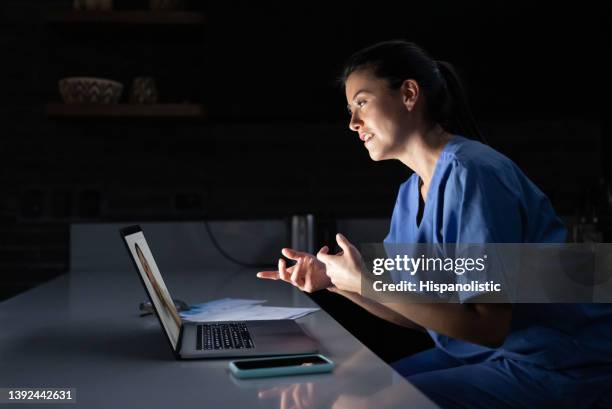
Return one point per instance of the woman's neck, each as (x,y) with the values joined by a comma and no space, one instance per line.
(422,150)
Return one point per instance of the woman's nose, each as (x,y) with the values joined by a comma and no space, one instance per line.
(355,123)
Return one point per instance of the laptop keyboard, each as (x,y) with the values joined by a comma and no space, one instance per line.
(234,335)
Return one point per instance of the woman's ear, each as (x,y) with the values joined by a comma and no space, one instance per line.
(410,93)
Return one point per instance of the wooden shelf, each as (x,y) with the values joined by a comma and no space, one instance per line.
(59,110)
(127,17)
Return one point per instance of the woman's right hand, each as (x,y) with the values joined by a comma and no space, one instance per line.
(308,273)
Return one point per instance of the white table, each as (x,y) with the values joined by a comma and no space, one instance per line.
(83,331)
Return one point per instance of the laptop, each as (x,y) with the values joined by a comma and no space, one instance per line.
(191,340)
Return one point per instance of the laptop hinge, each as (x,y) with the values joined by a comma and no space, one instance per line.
(179,342)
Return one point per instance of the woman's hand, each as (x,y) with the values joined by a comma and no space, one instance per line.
(345,268)
(308,273)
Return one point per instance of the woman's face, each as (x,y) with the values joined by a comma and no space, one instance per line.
(379,114)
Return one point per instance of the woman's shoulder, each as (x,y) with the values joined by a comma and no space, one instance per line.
(468,159)
(474,155)
(475,165)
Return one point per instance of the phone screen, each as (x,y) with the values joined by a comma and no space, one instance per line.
(306,360)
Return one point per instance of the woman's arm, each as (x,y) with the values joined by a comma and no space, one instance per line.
(478,323)
(483,324)
(378,309)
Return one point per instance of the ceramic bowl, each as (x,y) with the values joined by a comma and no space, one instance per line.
(89,90)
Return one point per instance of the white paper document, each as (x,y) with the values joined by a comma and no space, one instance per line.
(235,309)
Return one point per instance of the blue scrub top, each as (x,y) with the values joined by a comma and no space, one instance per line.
(477,195)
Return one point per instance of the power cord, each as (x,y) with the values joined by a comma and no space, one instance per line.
(228,256)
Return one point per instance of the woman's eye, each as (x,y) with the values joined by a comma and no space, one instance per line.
(360,104)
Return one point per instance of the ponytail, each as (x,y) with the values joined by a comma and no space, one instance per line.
(456,107)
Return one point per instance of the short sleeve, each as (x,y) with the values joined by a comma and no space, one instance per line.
(480,206)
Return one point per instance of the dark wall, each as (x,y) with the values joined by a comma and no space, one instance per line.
(276,141)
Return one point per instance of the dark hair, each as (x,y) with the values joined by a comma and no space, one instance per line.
(445,98)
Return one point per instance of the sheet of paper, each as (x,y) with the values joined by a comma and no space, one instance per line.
(231,309)
(222,305)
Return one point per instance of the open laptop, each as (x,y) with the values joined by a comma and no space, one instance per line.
(190,340)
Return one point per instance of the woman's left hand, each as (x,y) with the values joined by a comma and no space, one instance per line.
(345,268)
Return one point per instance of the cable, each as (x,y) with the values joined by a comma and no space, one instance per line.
(229,257)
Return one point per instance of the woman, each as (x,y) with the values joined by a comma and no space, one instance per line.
(408,107)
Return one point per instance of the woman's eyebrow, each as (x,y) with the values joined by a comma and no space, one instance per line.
(363,90)
(359,92)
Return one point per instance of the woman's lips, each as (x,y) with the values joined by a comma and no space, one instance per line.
(365,137)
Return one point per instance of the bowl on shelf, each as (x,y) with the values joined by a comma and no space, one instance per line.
(89,90)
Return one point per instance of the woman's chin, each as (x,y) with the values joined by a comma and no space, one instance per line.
(375,156)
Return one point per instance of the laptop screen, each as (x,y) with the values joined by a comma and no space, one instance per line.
(154,284)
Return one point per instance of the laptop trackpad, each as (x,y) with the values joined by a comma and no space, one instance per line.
(280,333)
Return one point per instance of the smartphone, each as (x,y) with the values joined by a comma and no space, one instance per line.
(281,365)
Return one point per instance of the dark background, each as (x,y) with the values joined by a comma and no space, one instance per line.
(275,141)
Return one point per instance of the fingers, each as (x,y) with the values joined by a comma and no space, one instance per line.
(343,242)
(283,273)
(324,257)
(307,285)
(323,254)
(293,254)
(282,270)
(270,275)
(296,277)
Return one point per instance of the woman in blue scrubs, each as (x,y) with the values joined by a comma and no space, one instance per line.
(408,107)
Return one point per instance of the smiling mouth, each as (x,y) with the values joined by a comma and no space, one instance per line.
(366,137)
